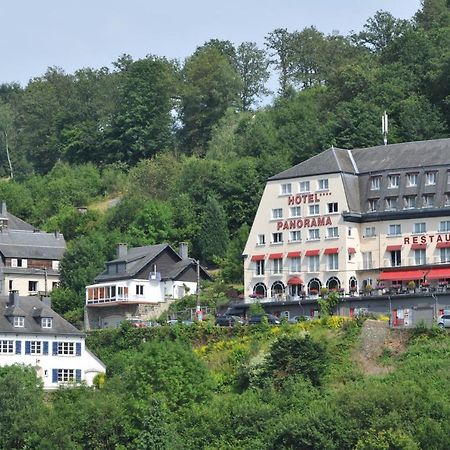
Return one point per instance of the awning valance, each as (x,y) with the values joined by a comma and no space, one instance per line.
(331,251)
(418,246)
(312,252)
(275,255)
(351,250)
(438,273)
(295,281)
(393,248)
(402,275)
(294,254)
(258,257)
(443,245)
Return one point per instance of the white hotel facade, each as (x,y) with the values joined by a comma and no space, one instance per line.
(345,219)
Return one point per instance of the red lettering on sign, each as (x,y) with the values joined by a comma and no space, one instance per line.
(415,239)
(423,239)
(406,240)
(321,221)
(307,223)
(328,221)
(279,225)
(310,198)
(291,200)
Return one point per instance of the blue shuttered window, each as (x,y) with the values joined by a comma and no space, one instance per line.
(78,348)
(78,376)
(27,348)
(55,349)
(54,375)
(18,347)
(45,348)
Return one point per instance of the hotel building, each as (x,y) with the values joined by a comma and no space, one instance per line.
(347,219)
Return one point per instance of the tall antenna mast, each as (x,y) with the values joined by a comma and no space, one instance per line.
(384,127)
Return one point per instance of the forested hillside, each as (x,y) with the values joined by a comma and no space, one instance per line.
(186,146)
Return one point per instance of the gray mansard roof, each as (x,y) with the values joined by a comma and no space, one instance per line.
(32,309)
(357,166)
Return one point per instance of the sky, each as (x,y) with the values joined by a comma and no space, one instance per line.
(35,35)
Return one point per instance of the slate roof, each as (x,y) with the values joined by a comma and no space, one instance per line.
(372,159)
(33,309)
(31,244)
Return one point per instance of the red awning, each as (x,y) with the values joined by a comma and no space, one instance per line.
(258,257)
(295,281)
(443,245)
(351,250)
(402,275)
(393,248)
(436,274)
(275,255)
(331,251)
(312,252)
(418,246)
(294,254)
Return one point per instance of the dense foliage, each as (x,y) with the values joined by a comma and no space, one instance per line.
(169,151)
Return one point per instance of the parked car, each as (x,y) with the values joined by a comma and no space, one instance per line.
(229,321)
(444,321)
(137,323)
(256,319)
(297,319)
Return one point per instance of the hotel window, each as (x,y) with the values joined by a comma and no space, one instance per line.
(428,200)
(314,210)
(6,346)
(391,203)
(260,267)
(277,238)
(332,232)
(447,199)
(420,227)
(277,213)
(445,255)
(313,234)
(393,181)
(444,226)
(295,264)
(396,258)
(332,208)
(412,179)
(261,239)
(375,183)
(369,232)
(333,261)
(373,204)
(419,257)
(295,236)
(295,211)
(304,186)
(430,178)
(322,185)
(394,230)
(278,265)
(367,260)
(313,263)
(410,201)
(19,322)
(46,322)
(286,189)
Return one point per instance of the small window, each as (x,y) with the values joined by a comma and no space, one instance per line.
(66,348)
(412,179)
(313,263)
(295,211)
(428,200)
(447,199)
(373,204)
(13,262)
(10,285)
(278,265)
(369,232)
(32,286)
(277,238)
(261,239)
(394,230)
(420,257)
(19,322)
(349,231)
(410,202)
(391,203)
(322,185)
(286,189)
(55,265)
(46,322)
(296,264)
(259,266)
(375,183)
(295,236)
(430,178)
(420,227)
(139,289)
(313,234)
(393,181)
(332,232)
(304,186)
(277,213)
(332,208)
(66,375)
(314,210)
(444,226)
(35,347)
(6,346)
(333,261)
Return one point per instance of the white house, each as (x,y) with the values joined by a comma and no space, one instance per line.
(140,283)
(31,333)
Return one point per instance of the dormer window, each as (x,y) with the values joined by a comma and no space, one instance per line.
(46,322)
(19,322)
(430,178)
(375,183)
(393,181)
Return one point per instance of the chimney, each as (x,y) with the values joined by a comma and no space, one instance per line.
(13,298)
(122,250)
(184,250)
